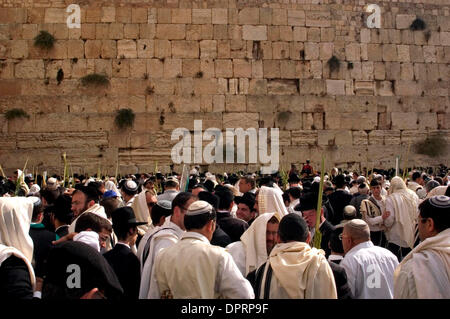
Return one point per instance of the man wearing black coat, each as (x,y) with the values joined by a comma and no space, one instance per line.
(220,238)
(338,200)
(42,239)
(125,263)
(307,206)
(234,227)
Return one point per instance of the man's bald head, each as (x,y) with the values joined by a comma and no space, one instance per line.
(355,232)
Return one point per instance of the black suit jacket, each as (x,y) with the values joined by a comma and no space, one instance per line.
(42,241)
(326,229)
(15,282)
(338,200)
(340,278)
(220,238)
(234,227)
(127,268)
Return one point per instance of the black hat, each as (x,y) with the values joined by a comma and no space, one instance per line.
(293,227)
(247,199)
(212,199)
(95,272)
(307,202)
(124,217)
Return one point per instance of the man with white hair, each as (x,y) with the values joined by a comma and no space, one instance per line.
(425,272)
(370,269)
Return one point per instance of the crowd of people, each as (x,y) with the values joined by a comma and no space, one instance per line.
(236,236)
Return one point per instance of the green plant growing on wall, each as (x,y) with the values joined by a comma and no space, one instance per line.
(334,64)
(432,146)
(94,79)
(418,24)
(44,40)
(16,113)
(124,118)
(199,74)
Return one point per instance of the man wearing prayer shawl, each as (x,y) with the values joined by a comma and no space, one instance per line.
(160,238)
(256,243)
(195,269)
(294,270)
(425,272)
(401,211)
(17,279)
(269,200)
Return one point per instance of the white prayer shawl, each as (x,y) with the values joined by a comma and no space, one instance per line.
(425,272)
(440,190)
(405,203)
(95,209)
(90,238)
(160,238)
(141,212)
(251,251)
(15,220)
(7,251)
(110,186)
(300,272)
(270,200)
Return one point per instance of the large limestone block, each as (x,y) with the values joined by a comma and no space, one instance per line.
(255,33)
(404,121)
(243,120)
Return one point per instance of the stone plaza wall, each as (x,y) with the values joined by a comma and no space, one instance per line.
(259,64)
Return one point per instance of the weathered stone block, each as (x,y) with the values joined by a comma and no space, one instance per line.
(403,21)
(335,87)
(242,68)
(311,51)
(30,69)
(404,121)
(408,88)
(131,31)
(219,16)
(172,68)
(185,49)
(171,31)
(201,16)
(243,120)
(208,49)
(255,33)
(183,16)
(145,48)
(271,68)
(126,49)
(296,17)
(223,68)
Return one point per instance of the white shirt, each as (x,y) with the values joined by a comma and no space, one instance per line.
(370,271)
(229,282)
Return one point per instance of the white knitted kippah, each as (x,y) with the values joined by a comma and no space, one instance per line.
(199,207)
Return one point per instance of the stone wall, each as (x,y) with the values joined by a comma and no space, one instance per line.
(230,63)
